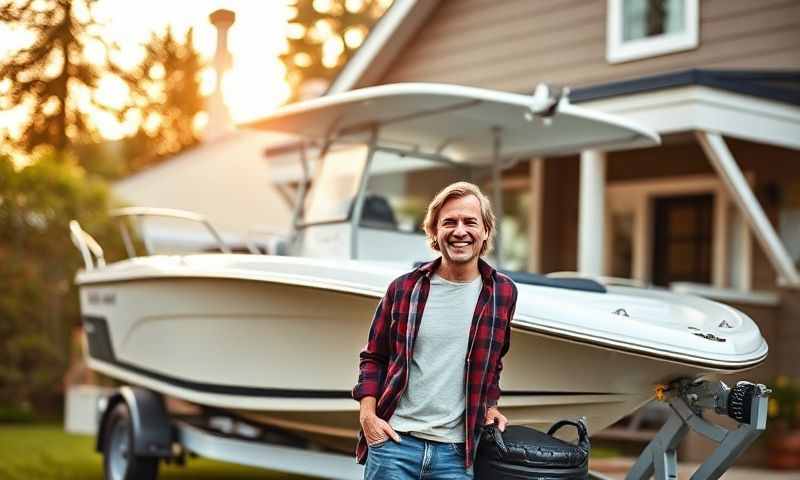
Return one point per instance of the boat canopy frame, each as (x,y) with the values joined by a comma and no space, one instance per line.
(354,217)
(457,124)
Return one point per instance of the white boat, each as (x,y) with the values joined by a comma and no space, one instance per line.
(275,338)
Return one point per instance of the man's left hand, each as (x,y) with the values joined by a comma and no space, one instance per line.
(493,415)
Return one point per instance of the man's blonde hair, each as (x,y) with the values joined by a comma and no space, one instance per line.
(459,190)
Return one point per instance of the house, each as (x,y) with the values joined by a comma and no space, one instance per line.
(713,211)
(225,178)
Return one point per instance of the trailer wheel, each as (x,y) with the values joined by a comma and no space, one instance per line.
(119,462)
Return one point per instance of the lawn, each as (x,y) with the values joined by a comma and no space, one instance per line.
(46,452)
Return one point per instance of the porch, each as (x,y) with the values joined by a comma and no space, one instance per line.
(714,211)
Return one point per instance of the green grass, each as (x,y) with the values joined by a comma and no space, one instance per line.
(46,452)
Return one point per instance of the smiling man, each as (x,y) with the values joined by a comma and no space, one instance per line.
(430,370)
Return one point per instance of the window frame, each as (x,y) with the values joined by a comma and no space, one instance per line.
(619,51)
(635,197)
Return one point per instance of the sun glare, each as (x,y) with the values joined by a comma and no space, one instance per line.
(253,87)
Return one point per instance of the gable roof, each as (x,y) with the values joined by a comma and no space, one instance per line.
(383,44)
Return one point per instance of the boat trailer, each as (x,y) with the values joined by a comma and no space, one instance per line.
(150,435)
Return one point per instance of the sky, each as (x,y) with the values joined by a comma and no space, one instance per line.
(254,86)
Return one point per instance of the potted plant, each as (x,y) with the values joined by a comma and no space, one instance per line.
(783,429)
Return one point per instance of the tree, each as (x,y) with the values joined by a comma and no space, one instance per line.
(47,76)
(38,298)
(322,36)
(168,96)
(50,76)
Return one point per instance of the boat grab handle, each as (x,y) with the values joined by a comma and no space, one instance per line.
(91,251)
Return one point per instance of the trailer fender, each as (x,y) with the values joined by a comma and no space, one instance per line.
(152,432)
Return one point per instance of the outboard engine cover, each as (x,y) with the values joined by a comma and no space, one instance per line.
(525,453)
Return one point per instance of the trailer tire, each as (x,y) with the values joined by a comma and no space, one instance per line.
(119,462)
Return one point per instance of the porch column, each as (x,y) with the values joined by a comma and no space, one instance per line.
(535,221)
(591,212)
(723,162)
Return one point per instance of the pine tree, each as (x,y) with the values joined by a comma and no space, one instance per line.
(323,34)
(169,92)
(164,90)
(47,76)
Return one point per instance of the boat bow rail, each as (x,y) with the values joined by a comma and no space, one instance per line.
(91,251)
(138,213)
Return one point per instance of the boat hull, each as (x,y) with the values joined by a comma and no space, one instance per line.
(287,356)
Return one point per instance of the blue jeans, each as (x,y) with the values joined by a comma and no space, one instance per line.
(416,459)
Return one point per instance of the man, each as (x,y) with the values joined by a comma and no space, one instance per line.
(431,366)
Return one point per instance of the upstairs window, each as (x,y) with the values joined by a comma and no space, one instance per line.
(645,28)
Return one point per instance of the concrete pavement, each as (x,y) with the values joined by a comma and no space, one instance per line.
(616,468)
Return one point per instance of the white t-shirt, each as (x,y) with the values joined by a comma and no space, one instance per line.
(433,404)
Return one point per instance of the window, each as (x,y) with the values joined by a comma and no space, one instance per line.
(683,231)
(677,229)
(645,28)
(515,237)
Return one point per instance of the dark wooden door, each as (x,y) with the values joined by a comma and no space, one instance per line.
(682,239)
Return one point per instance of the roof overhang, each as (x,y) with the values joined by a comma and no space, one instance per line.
(384,43)
(694,107)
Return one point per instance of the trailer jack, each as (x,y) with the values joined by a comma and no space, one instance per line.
(745,402)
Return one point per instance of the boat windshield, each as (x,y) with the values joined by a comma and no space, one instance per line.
(400,186)
(336,184)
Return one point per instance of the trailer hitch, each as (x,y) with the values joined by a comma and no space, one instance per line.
(746,403)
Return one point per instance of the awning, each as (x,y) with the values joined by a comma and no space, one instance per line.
(461,123)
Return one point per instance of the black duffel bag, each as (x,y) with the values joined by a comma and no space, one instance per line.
(525,453)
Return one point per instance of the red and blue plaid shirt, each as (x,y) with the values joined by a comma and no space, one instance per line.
(387,355)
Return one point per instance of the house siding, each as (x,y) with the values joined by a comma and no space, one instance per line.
(513,45)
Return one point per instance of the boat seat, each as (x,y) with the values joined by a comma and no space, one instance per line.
(377,212)
(583,284)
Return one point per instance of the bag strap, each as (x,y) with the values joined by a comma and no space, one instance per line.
(580,426)
(497,437)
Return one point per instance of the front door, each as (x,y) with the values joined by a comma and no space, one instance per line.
(682,239)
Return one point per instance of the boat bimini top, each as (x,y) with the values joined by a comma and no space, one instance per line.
(462,124)
(471,129)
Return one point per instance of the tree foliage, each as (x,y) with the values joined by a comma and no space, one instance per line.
(322,35)
(49,75)
(56,82)
(38,299)
(168,96)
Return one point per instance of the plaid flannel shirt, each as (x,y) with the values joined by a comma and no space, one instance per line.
(385,358)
